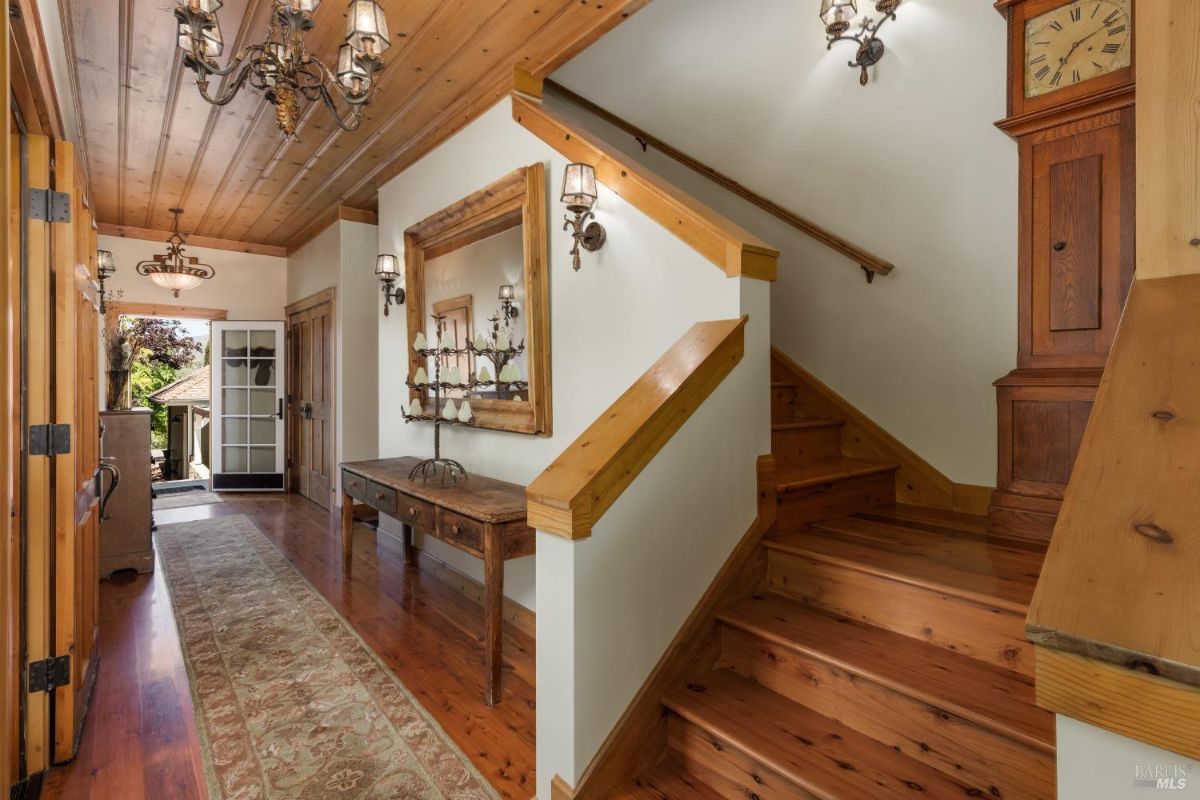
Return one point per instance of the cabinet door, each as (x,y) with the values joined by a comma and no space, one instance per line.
(1079,241)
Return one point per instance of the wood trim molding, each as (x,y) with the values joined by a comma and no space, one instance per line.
(193,240)
(32,82)
(639,738)
(1129,516)
(868,261)
(560,789)
(168,310)
(579,486)
(732,248)
(1134,704)
(327,295)
(518,198)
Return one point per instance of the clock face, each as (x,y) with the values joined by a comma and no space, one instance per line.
(1076,42)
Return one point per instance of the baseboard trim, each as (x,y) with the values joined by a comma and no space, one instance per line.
(517,615)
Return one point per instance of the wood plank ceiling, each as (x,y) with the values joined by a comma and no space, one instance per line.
(151,142)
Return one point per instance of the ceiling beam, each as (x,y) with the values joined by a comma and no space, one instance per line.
(148,234)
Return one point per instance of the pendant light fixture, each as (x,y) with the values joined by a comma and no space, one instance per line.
(173,270)
(282,66)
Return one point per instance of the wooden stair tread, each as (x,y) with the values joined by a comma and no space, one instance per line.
(667,781)
(834,469)
(990,696)
(807,424)
(940,520)
(976,569)
(815,752)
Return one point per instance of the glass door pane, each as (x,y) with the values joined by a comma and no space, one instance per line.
(249,419)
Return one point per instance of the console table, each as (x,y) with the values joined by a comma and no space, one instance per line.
(481,516)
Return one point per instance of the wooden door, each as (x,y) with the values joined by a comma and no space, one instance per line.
(310,397)
(60,452)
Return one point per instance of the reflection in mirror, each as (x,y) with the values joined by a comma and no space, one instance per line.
(464,287)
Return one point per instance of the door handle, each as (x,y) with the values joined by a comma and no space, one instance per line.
(279,413)
(107,466)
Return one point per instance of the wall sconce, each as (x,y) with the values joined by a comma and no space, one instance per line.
(387,267)
(839,15)
(579,195)
(507,306)
(106,267)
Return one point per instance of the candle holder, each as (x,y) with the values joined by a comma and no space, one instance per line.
(447,414)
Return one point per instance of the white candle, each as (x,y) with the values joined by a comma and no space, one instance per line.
(485,375)
(414,408)
(419,341)
(464,412)
(420,378)
(449,412)
(501,341)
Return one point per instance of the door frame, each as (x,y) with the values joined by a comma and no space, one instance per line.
(326,295)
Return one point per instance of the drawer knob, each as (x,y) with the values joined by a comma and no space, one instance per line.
(412,512)
(456,528)
(380,495)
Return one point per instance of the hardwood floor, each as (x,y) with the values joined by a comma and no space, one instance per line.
(140,738)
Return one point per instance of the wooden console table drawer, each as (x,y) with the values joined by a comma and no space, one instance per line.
(381,497)
(354,485)
(480,515)
(418,513)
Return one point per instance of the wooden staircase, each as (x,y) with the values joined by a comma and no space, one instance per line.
(883,655)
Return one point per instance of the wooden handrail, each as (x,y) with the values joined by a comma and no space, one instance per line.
(735,250)
(1119,586)
(871,264)
(575,491)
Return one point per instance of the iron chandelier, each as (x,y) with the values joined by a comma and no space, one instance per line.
(282,67)
(173,270)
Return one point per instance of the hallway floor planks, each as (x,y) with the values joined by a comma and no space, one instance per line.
(140,740)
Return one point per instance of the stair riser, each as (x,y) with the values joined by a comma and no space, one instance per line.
(795,447)
(992,635)
(953,745)
(725,768)
(783,403)
(828,500)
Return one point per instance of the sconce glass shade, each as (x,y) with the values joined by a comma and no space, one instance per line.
(387,265)
(837,15)
(203,6)
(307,6)
(367,28)
(507,292)
(579,187)
(105,265)
(350,72)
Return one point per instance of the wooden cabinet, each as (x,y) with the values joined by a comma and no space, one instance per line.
(126,528)
(1076,258)
(1075,254)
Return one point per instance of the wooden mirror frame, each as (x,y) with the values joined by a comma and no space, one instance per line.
(519,198)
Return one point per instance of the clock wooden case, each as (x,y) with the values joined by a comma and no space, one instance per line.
(1075,138)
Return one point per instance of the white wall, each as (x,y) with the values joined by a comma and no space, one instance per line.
(1096,764)
(246,286)
(909,167)
(342,257)
(607,607)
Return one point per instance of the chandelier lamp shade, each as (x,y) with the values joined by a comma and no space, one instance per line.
(839,16)
(281,67)
(174,269)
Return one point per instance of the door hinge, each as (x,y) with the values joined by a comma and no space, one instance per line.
(49,673)
(49,439)
(49,205)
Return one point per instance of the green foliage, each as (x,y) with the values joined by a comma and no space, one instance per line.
(147,377)
(158,351)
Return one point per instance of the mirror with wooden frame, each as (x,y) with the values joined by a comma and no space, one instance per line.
(456,263)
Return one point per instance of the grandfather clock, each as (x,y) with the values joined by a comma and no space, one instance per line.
(1071,111)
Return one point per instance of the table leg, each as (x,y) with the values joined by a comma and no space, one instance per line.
(493,603)
(407,533)
(347,527)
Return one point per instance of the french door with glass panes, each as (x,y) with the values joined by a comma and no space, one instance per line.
(247,406)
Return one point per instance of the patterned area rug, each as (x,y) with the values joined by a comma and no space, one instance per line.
(290,702)
(184,499)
